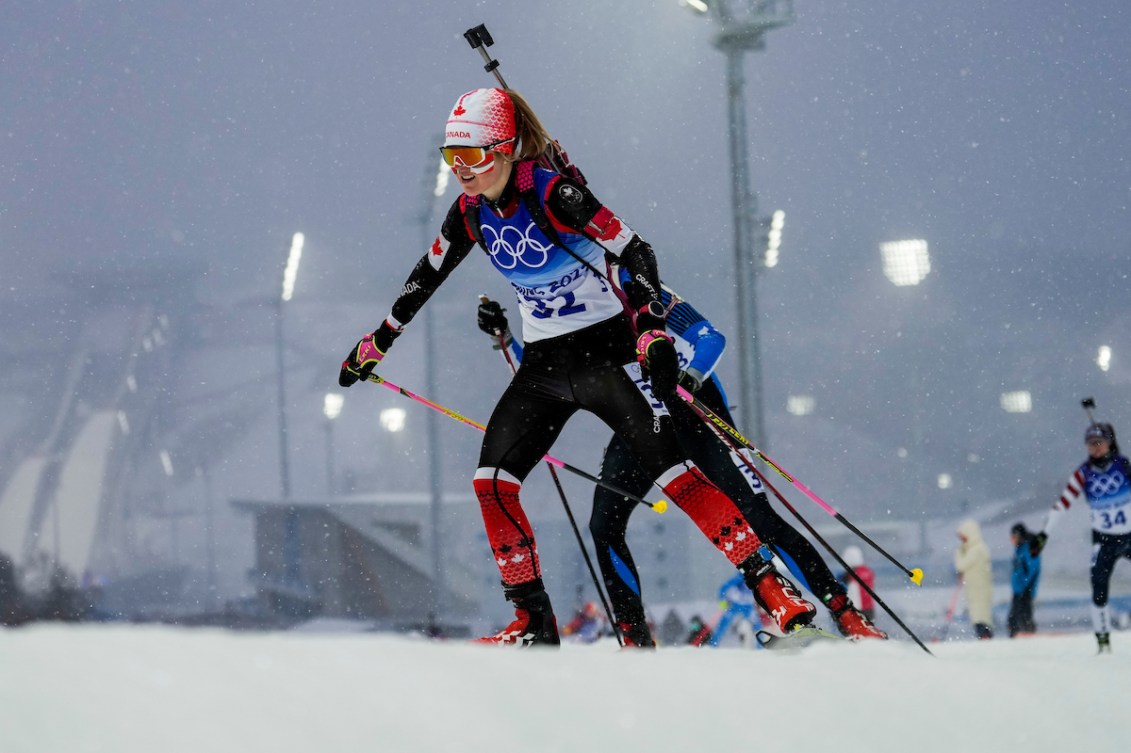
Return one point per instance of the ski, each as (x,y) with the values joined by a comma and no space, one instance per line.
(795,639)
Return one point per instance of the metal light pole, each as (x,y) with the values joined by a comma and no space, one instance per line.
(209,533)
(435,182)
(292,570)
(743,25)
(907,263)
(331,409)
(290,274)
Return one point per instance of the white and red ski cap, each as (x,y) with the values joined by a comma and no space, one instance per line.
(481,117)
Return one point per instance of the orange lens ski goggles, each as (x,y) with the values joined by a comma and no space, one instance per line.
(470,156)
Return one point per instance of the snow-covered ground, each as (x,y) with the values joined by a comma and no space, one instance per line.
(149,689)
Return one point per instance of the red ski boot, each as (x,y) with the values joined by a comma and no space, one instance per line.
(776,595)
(534,623)
(636,634)
(851,622)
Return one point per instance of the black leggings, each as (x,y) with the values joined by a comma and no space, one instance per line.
(620,468)
(1107,549)
(1021,614)
(594,370)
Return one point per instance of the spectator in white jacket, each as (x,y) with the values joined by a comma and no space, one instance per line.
(972,561)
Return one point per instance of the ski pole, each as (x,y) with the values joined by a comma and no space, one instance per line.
(660,506)
(950,612)
(710,416)
(733,446)
(480,39)
(835,555)
(1089,404)
(565,504)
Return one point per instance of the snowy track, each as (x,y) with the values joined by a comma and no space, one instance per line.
(135,689)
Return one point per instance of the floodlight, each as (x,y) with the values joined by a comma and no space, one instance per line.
(1103,358)
(773,238)
(801,405)
(442,177)
(1019,401)
(392,419)
(332,405)
(290,274)
(906,262)
(166,462)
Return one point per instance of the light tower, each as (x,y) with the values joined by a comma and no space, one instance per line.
(742,28)
(906,264)
(290,276)
(436,176)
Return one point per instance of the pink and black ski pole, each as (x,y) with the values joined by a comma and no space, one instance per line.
(916,575)
(813,532)
(950,612)
(660,506)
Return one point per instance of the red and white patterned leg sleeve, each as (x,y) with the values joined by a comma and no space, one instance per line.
(508,530)
(713,511)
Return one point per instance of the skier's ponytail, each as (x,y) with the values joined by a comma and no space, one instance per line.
(535,143)
(533,139)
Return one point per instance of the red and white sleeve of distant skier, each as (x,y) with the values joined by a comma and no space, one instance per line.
(1073,492)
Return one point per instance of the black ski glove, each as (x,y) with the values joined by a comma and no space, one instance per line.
(365,356)
(1037,543)
(492,321)
(658,362)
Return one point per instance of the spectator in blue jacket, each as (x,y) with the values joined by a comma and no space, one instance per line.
(1026,574)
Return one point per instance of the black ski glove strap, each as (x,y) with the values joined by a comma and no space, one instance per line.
(650,316)
(384,335)
(365,356)
(691,380)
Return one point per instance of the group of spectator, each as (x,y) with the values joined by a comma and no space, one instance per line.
(972,562)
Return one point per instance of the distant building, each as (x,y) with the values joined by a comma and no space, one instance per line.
(367,558)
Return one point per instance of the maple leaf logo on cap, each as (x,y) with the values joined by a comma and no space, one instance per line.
(460,109)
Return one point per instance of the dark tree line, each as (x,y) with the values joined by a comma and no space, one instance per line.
(61,601)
